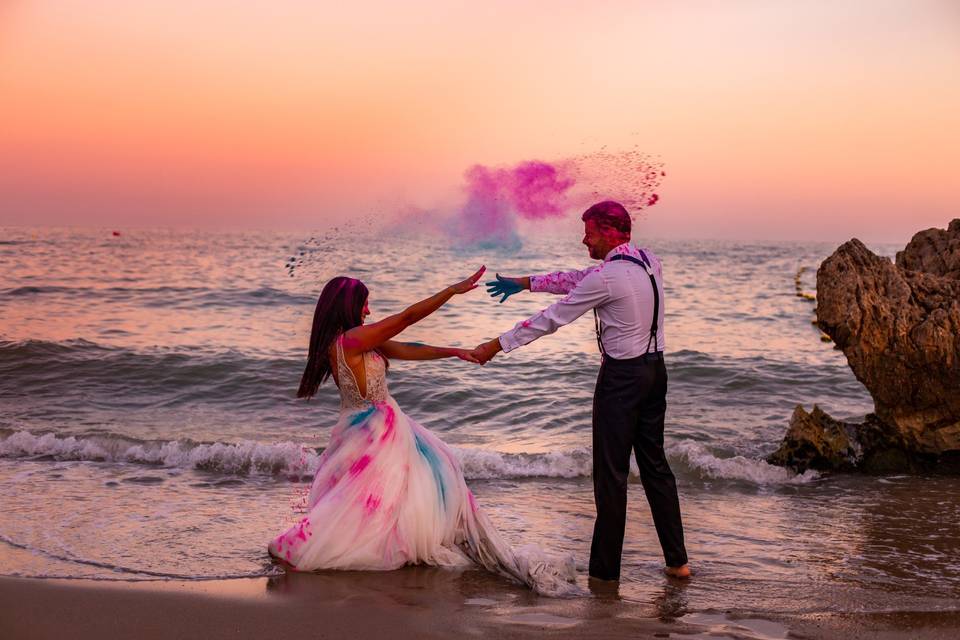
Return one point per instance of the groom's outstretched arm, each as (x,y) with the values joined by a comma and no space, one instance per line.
(590,292)
(560,282)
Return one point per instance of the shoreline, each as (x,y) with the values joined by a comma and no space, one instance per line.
(413,602)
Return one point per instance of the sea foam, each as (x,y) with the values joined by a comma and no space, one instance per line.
(699,459)
(290,459)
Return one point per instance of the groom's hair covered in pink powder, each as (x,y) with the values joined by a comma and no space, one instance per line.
(609,214)
(339,309)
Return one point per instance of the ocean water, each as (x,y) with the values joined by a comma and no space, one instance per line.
(149,429)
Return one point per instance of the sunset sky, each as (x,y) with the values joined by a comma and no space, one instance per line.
(774,120)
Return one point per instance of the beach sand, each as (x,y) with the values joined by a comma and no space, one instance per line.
(415,602)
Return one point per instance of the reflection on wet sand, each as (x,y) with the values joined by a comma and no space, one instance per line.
(504,603)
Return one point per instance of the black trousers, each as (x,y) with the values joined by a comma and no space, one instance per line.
(629,405)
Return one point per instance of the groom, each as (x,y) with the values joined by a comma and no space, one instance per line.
(625,293)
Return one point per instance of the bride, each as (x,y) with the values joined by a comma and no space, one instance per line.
(387,491)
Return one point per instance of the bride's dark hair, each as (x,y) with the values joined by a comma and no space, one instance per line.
(339,309)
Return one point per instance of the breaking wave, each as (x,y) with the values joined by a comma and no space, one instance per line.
(290,459)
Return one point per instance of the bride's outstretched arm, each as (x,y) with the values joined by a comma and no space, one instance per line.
(416,351)
(370,336)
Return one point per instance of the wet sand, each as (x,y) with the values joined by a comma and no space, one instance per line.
(414,602)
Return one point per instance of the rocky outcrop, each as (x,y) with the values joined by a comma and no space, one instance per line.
(814,440)
(934,251)
(898,324)
(817,441)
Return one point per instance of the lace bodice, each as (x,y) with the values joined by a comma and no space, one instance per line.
(376,372)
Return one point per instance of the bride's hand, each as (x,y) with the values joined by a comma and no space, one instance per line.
(464,354)
(470,283)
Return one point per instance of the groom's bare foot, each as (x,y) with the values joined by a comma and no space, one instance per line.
(678,572)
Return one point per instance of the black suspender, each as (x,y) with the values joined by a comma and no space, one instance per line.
(645,263)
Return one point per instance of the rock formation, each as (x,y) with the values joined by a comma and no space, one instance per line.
(898,324)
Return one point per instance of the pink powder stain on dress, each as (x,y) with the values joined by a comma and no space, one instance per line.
(372,503)
(360,465)
(302,529)
(389,419)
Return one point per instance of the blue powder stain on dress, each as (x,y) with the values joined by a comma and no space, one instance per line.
(434,462)
(362,416)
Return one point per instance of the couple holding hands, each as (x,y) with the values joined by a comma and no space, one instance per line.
(388,492)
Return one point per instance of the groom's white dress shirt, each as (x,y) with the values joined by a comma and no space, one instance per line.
(621,293)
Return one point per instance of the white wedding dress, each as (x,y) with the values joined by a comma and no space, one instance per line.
(388,492)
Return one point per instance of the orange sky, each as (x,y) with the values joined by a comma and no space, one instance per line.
(773,119)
